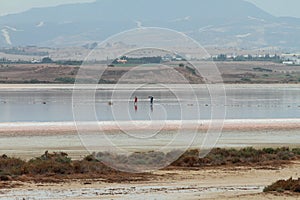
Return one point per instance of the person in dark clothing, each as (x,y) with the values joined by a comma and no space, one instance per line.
(151,99)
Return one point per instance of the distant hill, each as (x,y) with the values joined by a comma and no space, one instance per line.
(222,23)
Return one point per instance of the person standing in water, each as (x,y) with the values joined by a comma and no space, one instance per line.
(135,103)
(135,100)
(151,99)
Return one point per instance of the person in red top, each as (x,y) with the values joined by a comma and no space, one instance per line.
(135,100)
(135,103)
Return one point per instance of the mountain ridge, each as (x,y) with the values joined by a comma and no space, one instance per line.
(231,23)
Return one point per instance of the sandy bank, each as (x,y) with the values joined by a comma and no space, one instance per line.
(35,87)
(60,128)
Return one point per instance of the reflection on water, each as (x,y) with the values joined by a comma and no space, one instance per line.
(242,103)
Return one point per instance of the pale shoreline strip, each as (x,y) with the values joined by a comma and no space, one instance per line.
(40,128)
(40,87)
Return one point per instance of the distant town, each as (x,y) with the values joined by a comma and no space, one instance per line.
(36,65)
(37,55)
(287,59)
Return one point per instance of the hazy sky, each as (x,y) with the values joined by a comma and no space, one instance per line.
(275,7)
(279,7)
(14,6)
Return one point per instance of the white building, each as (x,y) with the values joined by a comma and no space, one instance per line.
(288,62)
(291,59)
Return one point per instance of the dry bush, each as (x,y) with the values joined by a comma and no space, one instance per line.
(284,185)
(245,156)
(56,163)
(59,167)
(11,166)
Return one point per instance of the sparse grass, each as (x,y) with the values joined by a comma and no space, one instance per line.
(58,167)
(290,185)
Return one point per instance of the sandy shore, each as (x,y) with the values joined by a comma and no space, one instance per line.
(61,128)
(39,86)
(27,140)
(208,183)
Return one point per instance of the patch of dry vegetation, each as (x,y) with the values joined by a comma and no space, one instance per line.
(289,185)
(245,156)
(217,157)
(58,167)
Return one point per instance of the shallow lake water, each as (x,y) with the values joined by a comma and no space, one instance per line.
(242,102)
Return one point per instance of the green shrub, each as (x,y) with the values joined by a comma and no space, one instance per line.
(269,151)
(246,80)
(296,151)
(34,81)
(65,80)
